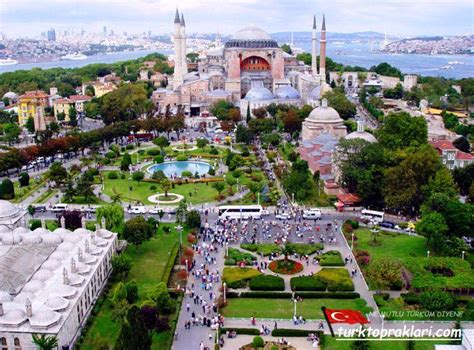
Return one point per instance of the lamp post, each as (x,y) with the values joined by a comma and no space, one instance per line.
(129,191)
(238,186)
(224,290)
(292,198)
(179,228)
(428,254)
(462,254)
(226,249)
(258,198)
(186,262)
(352,242)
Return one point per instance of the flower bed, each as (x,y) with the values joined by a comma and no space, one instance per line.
(238,277)
(236,257)
(286,267)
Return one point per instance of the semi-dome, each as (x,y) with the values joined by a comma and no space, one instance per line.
(251,37)
(42,275)
(259,94)
(7,210)
(44,318)
(13,318)
(315,94)
(33,286)
(324,114)
(57,303)
(287,92)
(11,95)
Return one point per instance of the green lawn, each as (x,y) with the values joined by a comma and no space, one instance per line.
(149,261)
(47,195)
(194,193)
(21,193)
(390,245)
(331,343)
(283,308)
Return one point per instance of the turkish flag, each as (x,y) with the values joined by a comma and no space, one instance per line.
(345,316)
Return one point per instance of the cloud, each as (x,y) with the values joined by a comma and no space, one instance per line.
(397,17)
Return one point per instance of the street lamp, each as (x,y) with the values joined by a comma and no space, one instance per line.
(129,191)
(179,228)
(224,287)
(462,254)
(428,254)
(292,198)
(258,198)
(226,249)
(186,262)
(352,242)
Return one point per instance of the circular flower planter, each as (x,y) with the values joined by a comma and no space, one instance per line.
(288,267)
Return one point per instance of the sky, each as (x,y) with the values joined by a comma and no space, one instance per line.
(395,17)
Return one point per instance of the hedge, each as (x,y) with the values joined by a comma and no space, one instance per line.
(239,256)
(244,331)
(328,295)
(267,282)
(331,258)
(307,283)
(170,264)
(264,249)
(337,279)
(306,249)
(282,332)
(288,295)
(238,277)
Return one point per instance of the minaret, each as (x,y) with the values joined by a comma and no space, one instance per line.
(314,50)
(322,55)
(178,58)
(183,44)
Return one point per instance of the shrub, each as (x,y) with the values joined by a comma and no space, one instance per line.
(24,179)
(229,262)
(362,257)
(153,152)
(267,282)
(110,155)
(437,300)
(258,342)
(153,188)
(238,277)
(307,283)
(305,249)
(238,256)
(288,267)
(122,176)
(331,258)
(411,298)
(34,224)
(112,175)
(347,227)
(7,190)
(264,249)
(353,223)
(181,158)
(281,332)
(244,331)
(212,171)
(130,146)
(186,173)
(214,151)
(337,279)
(159,159)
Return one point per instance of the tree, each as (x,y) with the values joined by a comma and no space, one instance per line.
(61,116)
(165,185)
(242,134)
(114,216)
(219,187)
(138,176)
(395,93)
(84,188)
(72,116)
(57,173)
(260,112)
(132,291)
(162,299)
(201,143)
(437,300)
(286,48)
(433,226)
(126,161)
(248,116)
(161,142)
(121,265)
(341,104)
(386,69)
(193,57)
(30,125)
(54,127)
(220,109)
(385,273)
(127,102)
(181,212)
(24,179)
(72,219)
(11,132)
(288,250)
(7,190)
(462,144)
(134,333)
(193,219)
(137,231)
(45,342)
(401,130)
(298,181)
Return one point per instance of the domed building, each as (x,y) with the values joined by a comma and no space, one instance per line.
(323,119)
(250,61)
(360,133)
(10,215)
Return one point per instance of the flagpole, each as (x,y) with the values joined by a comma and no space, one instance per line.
(323,308)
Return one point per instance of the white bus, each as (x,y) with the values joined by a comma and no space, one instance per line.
(372,215)
(244,212)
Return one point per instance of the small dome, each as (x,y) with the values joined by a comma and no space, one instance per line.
(324,113)
(287,93)
(13,318)
(104,233)
(82,231)
(42,275)
(23,297)
(58,255)
(65,291)
(8,210)
(361,135)
(51,264)
(5,297)
(31,238)
(11,238)
(259,94)
(11,96)
(315,94)
(33,286)
(57,303)
(41,231)
(62,231)
(65,247)
(76,236)
(44,318)
(51,239)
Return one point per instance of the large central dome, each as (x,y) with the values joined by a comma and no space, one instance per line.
(251,37)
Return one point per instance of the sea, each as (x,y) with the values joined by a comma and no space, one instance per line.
(348,53)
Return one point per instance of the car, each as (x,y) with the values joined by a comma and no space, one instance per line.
(137,210)
(312,214)
(265,212)
(155,210)
(387,224)
(40,207)
(60,207)
(283,216)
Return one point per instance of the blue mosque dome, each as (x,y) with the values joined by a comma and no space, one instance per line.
(287,92)
(259,94)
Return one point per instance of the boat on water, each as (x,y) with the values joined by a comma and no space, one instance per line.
(7,62)
(454,62)
(447,67)
(74,57)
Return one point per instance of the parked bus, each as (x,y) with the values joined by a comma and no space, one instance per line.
(372,215)
(244,212)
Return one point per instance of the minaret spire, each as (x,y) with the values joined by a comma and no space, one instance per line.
(176,17)
(322,56)
(314,50)
(178,77)
(184,48)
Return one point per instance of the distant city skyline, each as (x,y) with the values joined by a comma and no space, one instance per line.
(395,17)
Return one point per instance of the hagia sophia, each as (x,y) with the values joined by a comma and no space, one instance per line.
(250,70)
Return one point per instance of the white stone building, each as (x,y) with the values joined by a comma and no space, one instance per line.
(50,281)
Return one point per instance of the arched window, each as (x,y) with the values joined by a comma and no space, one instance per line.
(3,343)
(16,341)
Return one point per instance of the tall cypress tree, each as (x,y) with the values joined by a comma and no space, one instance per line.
(248,114)
(134,334)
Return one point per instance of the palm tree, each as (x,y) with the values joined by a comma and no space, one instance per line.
(44,342)
(165,185)
(287,250)
(116,198)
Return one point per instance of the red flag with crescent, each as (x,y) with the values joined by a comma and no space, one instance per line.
(345,316)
